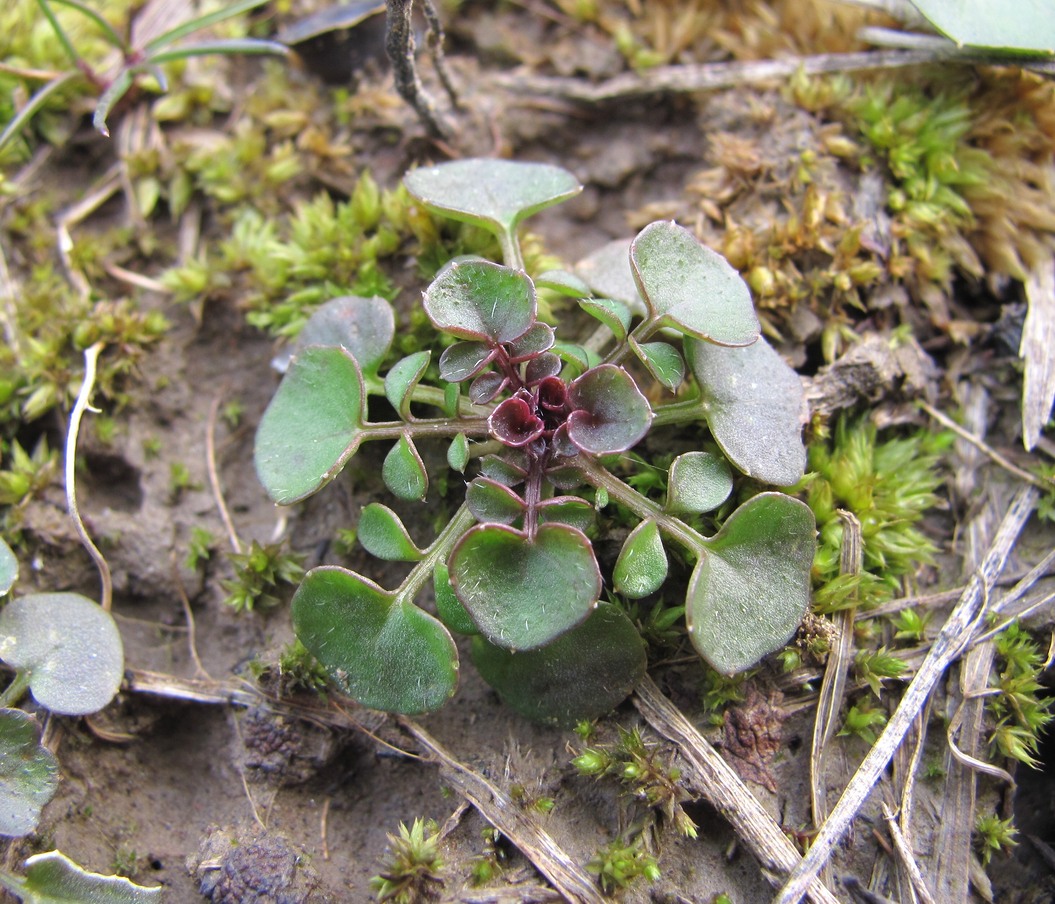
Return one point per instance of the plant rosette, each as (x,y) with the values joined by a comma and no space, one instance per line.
(536,419)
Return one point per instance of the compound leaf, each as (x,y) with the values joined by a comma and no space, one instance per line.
(385,653)
(69,645)
(523,592)
(691,288)
(751,585)
(312,426)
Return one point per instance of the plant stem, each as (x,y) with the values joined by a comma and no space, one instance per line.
(16,689)
(642,506)
(511,255)
(639,334)
(91,357)
(679,412)
(436,554)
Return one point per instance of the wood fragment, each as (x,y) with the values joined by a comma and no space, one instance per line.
(963,624)
(1038,339)
(712,777)
(515,823)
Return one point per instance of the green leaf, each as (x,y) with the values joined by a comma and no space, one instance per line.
(29,773)
(609,412)
(538,338)
(563,282)
(699,482)
(663,361)
(751,586)
(404,472)
(53,878)
(480,300)
(584,674)
(570,510)
(575,355)
(384,653)
(401,380)
(8,567)
(464,360)
(1028,26)
(612,313)
(452,613)
(494,194)
(458,453)
(364,327)
(69,645)
(524,592)
(753,403)
(691,288)
(641,567)
(490,501)
(313,425)
(383,535)
(608,272)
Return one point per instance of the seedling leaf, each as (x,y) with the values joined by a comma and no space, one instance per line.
(521,591)
(452,613)
(404,472)
(752,401)
(583,674)
(691,288)
(480,300)
(495,194)
(751,586)
(53,878)
(612,313)
(537,339)
(699,482)
(312,426)
(8,567)
(641,567)
(458,453)
(609,412)
(29,773)
(570,510)
(464,360)
(383,535)
(69,645)
(401,379)
(384,653)
(663,361)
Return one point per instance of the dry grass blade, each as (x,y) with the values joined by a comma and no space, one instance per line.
(833,686)
(956,634)
(906,857)
(515,823)
(1038,339)
(714,779)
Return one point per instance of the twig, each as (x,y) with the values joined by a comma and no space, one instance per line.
(513,822)
(716,781)
(214,476)
(956,634)
(713,76)
(91,357)
(1043,483)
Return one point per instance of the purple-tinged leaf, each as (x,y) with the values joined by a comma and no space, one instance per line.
(609,412)
(691,288)
(583,674)
(491,502)
(481,301)
(566,477)
(486,386)
(562,445)
(514,423)
(535,341)
(751,585)
(508,469)
(524,592)
(464,360)
(386,654)
(553,394)
(312,426)
(543,367)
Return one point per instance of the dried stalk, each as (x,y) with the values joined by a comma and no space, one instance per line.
(724,789)
(960,628)
(512,821)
